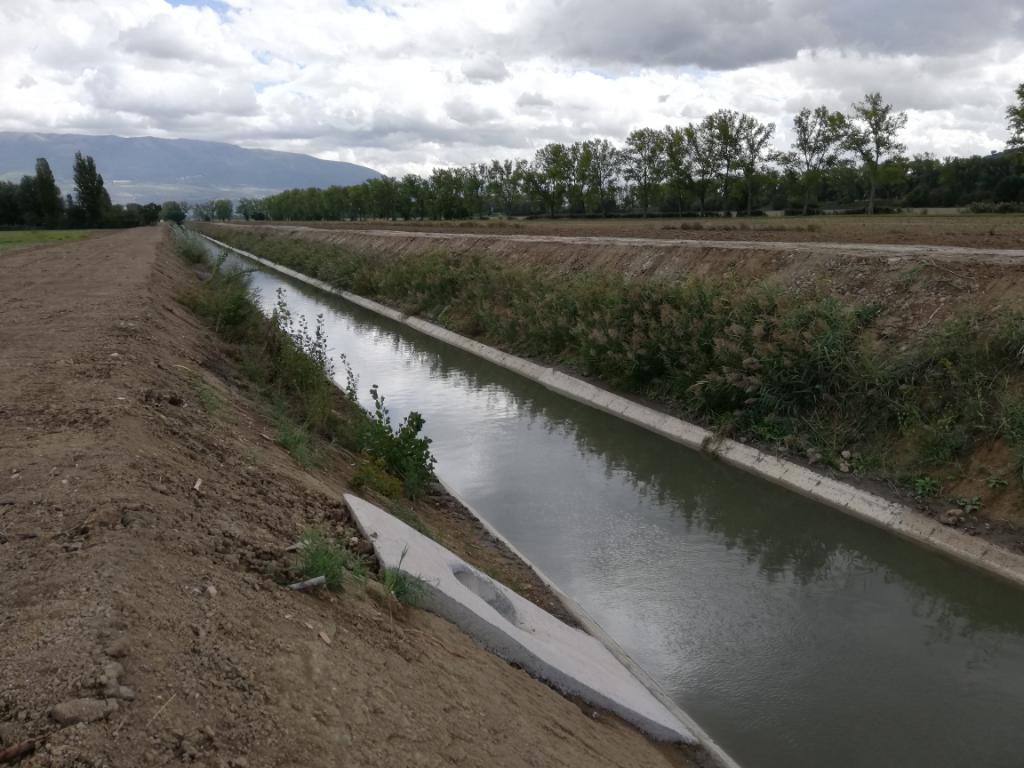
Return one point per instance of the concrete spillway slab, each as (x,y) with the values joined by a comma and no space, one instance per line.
(514,628)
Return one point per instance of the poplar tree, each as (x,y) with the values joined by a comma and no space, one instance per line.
(90,195)
(873,131)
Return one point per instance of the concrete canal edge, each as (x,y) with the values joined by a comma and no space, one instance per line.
(869,507)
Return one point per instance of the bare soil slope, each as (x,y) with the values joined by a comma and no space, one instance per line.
(137,622)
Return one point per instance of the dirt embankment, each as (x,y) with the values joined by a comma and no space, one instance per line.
(138,622)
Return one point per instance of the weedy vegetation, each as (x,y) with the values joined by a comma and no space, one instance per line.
(320,555)
(289,362)
(793,369)
(398,584)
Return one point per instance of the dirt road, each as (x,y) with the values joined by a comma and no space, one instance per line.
(945,253)
(138,622)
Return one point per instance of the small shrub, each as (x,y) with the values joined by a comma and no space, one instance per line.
(189,245)
(925,486)
(371,474)
(401,452)
(970,504)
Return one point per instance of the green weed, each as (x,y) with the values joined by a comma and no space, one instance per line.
(320,555)
(404,588)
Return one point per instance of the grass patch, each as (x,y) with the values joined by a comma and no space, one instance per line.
(19,237)
(320,555)
(298,441)
(399,585)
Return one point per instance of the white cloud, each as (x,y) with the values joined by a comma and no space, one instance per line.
(407,85)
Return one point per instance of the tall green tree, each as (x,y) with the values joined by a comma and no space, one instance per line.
(724,131)
(817,146)
(49,201)
(644,163)
(223,209)
(173,211)
(91,197)
(603,168)
(1015,120)
(702,146)
(873,135)
(754,140)
(678,165)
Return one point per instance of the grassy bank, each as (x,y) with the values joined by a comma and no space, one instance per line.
(289,363)
(797,370)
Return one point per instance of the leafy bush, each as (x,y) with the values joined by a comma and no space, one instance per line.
(401,452)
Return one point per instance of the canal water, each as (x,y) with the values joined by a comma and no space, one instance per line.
(794,635)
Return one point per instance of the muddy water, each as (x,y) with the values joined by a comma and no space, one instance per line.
(794,635)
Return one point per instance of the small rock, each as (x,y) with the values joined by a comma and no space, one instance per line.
(211,591)
(239,762)
(844,467)
(124,692)
(951,516)
(82,710)
(9,734)
(846,455)
(118,649)
(188,750)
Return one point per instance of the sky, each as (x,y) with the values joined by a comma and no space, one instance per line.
(407,86)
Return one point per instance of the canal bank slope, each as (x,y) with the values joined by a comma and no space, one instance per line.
(940,327)
(143,513)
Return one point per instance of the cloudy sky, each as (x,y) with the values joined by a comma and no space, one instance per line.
(405,86)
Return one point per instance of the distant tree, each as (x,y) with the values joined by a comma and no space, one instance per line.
(724,130)
(644,163)
(248,207)
(149,214)
(817,146)
(223,209)
(873,135)
(505,182)
(10,204)
(173,211)
(552,171)
(702,147)
(48,198)
(603,168)
(204,211)
(678,165)
(91,197)
(754,138)
(1015,120)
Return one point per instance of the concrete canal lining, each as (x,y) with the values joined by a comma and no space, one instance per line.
(859,503)
(514,628)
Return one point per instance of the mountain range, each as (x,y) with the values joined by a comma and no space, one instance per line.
(147,169)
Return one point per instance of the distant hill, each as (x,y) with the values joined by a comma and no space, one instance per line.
(147,169)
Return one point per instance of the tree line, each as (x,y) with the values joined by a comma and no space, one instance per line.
(722,164)
(36,201)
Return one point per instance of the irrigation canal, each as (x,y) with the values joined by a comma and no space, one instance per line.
(796,636)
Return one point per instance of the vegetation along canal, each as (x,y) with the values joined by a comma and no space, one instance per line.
(794,635)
